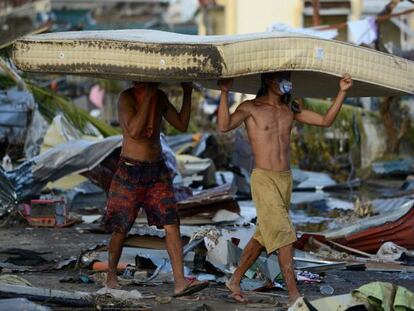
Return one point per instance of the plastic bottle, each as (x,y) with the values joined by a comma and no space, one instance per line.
(326,290)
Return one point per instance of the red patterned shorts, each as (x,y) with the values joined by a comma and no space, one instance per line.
(139,184)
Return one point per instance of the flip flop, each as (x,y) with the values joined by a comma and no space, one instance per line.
(191,289)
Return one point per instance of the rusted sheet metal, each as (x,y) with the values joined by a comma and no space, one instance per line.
(393,226)
(370,240)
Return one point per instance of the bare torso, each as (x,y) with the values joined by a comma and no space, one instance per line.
(269,130)
(142,148)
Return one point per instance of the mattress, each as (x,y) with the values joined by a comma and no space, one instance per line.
(148,55)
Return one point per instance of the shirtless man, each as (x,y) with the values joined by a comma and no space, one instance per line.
(142,178)
(268,120)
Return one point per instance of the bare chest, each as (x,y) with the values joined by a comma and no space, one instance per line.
(271,119)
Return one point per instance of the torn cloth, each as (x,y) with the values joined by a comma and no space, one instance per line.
(390,251)
(386,296)
(363,31)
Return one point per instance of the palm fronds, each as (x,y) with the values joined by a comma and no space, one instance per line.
(50,104)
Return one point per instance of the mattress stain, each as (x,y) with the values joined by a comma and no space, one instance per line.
(201,61)
(211,60)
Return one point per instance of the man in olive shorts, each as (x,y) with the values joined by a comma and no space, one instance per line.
(143,180)
(268,120)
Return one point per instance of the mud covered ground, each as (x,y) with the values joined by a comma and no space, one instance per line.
(64,243)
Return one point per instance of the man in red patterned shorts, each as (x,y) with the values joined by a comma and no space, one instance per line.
(143,180)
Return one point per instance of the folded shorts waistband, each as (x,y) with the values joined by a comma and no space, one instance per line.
(262,170)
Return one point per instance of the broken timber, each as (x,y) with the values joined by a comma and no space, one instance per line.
(78,299)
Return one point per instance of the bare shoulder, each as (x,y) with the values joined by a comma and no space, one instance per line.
(125,98)
(258,101)
(125,95)
(245,106)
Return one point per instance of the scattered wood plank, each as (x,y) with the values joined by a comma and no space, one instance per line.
(73,299)
(350,249)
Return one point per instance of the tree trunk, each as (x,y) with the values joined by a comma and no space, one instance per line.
(394,134)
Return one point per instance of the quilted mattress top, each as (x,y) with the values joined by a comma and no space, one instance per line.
(148,55)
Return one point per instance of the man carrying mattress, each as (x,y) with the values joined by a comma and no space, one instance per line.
(143,180)
(268,119)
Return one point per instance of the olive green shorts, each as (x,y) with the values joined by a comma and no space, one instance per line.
(271,192)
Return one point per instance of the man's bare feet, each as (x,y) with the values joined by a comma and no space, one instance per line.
(179,286)
(112,281)
(235,290)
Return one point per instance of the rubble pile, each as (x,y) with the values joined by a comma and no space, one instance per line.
(352,203)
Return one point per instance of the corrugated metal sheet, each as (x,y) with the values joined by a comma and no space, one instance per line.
(397,167)
(382,206)
(400,232)
(64,159)
(394,224)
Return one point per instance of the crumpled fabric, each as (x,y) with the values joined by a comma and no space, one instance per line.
(386,296)
(390,251)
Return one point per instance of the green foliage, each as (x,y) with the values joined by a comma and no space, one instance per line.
(6,82)
(175,97)
(170,130)
(349,119)
(5,52)
(110,86)
(50,104)
(312,149)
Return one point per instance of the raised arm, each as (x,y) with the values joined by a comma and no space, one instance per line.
(131,120)
(226,121)
(313,118)
(179,120)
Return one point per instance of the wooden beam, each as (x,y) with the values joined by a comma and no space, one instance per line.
(378,19)
(316,15)
(78,299)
